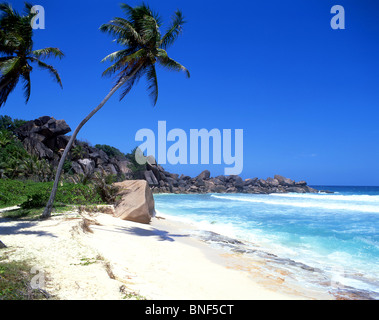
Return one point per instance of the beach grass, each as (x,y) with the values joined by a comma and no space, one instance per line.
(15,278)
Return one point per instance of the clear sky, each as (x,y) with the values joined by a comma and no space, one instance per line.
(306,96)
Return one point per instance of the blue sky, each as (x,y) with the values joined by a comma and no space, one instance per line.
(306,96)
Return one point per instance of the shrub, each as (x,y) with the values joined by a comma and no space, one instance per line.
(109,150)
(31,194)
(133,165)
(36,200)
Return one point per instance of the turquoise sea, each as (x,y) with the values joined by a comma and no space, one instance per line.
(327,241)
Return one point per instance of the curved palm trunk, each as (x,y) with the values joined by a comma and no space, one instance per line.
(49,205)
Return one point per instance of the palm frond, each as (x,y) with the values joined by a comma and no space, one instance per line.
(47,53)
(10,65)
(123,31)
(132,74)
(117,55)
(138,13)
(142,51)
(53,72)
(151,77)
(165,61)
(27,9)
(174,30)
(7,9)
(27,85)
(123,61)
(7,85)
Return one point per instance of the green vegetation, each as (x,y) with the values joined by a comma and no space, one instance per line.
(16,50)
(15,280)
(15,161)
(29,194)
(136,168)
(143,47)
(109,150)
(77,152)
(9,124)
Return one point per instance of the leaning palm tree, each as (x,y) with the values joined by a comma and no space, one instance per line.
(144,46)
(17,54)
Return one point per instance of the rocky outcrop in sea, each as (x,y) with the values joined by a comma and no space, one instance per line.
(162,181)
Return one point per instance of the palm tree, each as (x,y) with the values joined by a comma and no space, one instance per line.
(144,46)
(16,52)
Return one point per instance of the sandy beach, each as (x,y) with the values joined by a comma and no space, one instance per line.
(122,259)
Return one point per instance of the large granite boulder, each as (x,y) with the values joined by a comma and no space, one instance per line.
(284,181)
(37,148)
(45,126)
(87,165)
(137,201)
(204,175)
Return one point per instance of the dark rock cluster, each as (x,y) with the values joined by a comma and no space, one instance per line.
(162,181)
(46,138)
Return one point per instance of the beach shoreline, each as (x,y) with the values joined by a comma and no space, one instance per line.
(121,259)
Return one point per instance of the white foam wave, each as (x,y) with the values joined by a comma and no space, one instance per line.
(322,196)
(306,204)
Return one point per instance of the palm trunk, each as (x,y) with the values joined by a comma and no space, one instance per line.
(49,206)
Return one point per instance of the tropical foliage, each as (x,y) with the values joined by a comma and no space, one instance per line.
(31,194)
(16,162)
(144,46)
(17,52)
(109,150)
(134,166)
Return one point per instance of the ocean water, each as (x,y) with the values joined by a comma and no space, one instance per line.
(327,242)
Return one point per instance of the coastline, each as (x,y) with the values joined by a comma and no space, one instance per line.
(312,266)
(157,261)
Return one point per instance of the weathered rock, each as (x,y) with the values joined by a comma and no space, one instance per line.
(203,183)
(123,167)
(45,126)
(199,182)
(150,178)
(272,182)
(311,190)
(238,182)
(87,165)
(110,169)
(251,182)
(284,181)
(37,148)
(262,183)
(204,175)
(137,202)
(77,168)
(295,189)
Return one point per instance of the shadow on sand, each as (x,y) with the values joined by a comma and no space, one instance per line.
(21,228)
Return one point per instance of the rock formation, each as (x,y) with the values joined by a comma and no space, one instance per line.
(162,181)
(46,138)
(137,201)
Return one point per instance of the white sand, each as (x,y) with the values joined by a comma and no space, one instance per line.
(157,261)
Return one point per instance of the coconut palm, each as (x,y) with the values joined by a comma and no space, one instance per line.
(17,54)
(143,46)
